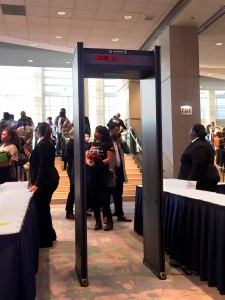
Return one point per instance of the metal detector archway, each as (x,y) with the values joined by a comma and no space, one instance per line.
(123,64)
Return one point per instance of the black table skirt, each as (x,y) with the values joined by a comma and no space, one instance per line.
(194,235)
(19,259)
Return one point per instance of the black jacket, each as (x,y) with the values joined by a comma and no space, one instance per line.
(42,168)
(197,163)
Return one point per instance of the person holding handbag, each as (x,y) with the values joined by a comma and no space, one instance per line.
(98,157)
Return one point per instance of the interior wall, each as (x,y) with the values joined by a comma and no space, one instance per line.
(134,105)
(123,99)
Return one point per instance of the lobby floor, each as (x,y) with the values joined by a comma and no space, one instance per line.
(115,267)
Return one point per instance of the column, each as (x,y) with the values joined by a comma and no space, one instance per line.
(180,86)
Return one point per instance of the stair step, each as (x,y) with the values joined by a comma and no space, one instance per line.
(129,192)
(134,180)
(63,178)
(129,185)
(59,201)
(63,188)
(134,176)
(60,195)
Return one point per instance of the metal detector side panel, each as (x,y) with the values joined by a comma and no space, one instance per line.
(152,172)
(79,168)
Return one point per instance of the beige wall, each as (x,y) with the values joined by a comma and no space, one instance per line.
(180,86)
(134,105)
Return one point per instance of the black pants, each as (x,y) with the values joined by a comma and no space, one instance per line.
(97,182)
(42,199)
(71,196)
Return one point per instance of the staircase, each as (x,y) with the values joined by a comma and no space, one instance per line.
(60,195)
(133,173)
(134,178)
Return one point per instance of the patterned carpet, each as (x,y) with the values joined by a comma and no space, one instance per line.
(116,270)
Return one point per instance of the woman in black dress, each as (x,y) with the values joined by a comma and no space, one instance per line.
(98,158)
(44,181)
(197,161)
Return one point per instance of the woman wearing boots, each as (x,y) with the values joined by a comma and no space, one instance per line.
(98,158)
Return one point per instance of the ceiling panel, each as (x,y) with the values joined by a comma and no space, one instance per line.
(41,3)
(31,20)
(90,4)
(96,22)
(37,11)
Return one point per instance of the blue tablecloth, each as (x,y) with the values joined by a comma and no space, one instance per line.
(194,233)
(19,258)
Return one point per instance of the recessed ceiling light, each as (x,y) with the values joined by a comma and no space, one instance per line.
(58,37)
(115,40)
(30,60)
(127,17)
(67,62)
(61,13)
(219,44)
(209,74)
(33,44)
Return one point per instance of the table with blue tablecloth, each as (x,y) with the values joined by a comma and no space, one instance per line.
(19,242)
(194,223)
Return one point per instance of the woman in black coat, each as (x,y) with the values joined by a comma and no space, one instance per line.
(44,181)
(197,161)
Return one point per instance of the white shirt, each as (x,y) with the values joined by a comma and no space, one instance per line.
(11,150)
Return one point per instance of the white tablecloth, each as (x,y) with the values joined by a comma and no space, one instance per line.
(14,200)
(187,189)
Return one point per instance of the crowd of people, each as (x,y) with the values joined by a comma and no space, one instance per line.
(216,137)
(105,164)
(104,159)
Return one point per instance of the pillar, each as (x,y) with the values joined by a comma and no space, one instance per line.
(180,86)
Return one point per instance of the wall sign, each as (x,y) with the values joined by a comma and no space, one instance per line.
(186,110)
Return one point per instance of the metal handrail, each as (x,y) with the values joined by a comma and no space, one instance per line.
(129,130)
(134,143)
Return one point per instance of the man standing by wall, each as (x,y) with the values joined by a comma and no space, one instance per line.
(120,147)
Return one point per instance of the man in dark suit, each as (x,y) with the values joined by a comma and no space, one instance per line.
(116,191)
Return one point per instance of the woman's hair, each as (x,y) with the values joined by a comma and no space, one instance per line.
(45,130)
(14,137)
(104,132)
(199,130)
(62,114)
(6,116)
